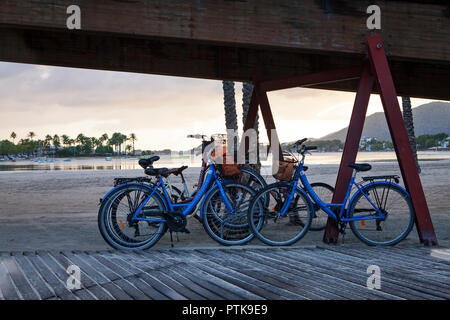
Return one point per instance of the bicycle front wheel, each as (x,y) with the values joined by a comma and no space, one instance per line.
(221,224)
(396,206)
(270,225)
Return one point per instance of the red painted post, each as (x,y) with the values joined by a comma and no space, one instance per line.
(351,146)
(402,147)
(269,123)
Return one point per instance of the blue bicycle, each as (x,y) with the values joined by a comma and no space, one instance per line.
(379,211)
(134,216)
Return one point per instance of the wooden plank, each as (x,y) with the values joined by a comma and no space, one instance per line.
(410,276)
(147,289)
(203,60)
(398,262)
(327,277)
(98,277)
(250,283)
(204,280)
(161,287)
(263,274)
(33,277)
(400,275)
(131,290)
(358,275)
(306,25)
(338,273)
(168,281)
(212,284)
(7,287)
(58,287)
(198,285)
(116,291)
(305,278)
(19,278)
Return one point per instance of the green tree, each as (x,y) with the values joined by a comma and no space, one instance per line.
(103,138)
(47,140)
(56,141)
(31,135)
(65,140)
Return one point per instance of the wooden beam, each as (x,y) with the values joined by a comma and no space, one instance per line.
(202,60)
(418,30)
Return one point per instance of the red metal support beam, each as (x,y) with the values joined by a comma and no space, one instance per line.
(312,79)
(399,135)
(376,68)
(351,146)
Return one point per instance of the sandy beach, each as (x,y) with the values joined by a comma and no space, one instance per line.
(57,210)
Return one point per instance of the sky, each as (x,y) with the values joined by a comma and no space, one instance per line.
(160,110)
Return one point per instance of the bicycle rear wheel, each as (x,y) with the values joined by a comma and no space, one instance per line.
(266,221)
(116,225)
(393,202)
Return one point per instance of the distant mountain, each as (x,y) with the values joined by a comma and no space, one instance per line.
(429,118)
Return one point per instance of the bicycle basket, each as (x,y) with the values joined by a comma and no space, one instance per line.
(285,168)
(225,163)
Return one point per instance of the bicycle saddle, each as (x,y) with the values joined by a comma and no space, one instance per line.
(175,171)
(144,163)
(155,171)
(360,166)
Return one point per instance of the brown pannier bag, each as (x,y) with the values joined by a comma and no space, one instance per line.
(285,169)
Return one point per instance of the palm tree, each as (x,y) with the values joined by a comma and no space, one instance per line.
(47,140)
(409,123)
(103,138)
(128,148)
(56,141)
(247,89)
(13,136)
(65,139)
(80,139)
(230,110)
(31,135)
(133,139)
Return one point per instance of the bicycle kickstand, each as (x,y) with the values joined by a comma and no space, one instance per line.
(342,230)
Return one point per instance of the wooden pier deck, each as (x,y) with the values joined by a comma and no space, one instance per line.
(332,272)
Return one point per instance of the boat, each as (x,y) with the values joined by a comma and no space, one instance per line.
(67,160)
(108,159)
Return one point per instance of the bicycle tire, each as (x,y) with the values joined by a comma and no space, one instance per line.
(404,206)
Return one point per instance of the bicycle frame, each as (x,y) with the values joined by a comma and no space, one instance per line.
(300,175)
(187,207)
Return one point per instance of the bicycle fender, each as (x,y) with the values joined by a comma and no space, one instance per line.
(134,183)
